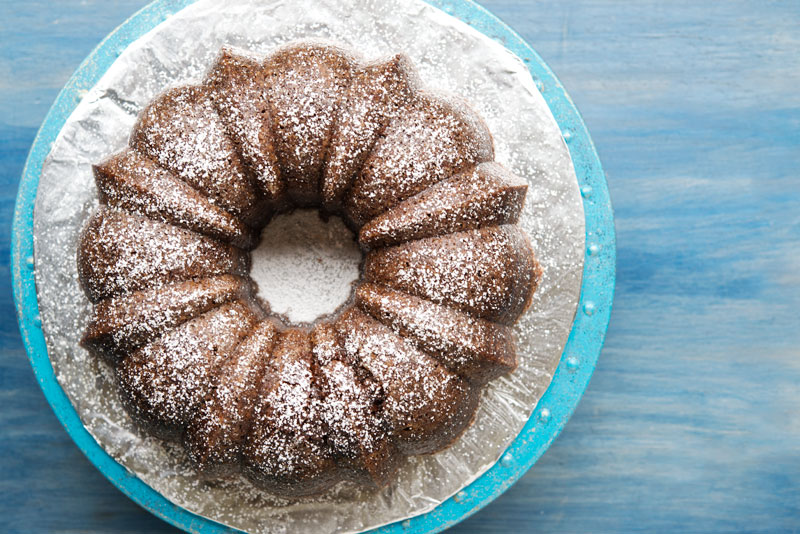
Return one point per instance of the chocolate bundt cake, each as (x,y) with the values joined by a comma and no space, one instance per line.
(399,370)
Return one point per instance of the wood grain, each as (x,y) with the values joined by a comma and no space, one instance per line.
(692,420)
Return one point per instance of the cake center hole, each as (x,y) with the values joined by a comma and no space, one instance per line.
(305,267)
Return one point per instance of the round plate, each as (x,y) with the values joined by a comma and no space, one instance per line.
(556,405)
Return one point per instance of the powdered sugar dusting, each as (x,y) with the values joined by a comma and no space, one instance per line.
(166,380)
(310,275)
(483,271)
(378,94)
(487,195)
(427,405)
(215,436)
(304,83)
(132,182)
(238,94)
(182,132)
(121,253)
(477,349)
(121,325)
(432,139)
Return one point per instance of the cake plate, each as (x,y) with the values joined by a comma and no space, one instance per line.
(569,381)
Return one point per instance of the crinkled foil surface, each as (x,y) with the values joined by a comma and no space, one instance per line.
(450,56)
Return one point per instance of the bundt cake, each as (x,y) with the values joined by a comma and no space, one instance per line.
(399,370)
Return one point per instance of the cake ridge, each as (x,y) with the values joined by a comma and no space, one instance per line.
(163,382)
(485,195)
(357,431)
(166,130)
(474,348)
(401,76)
(114,259)
(215,438)
(120,325)
(475,271)
(429,407)
(138,185)
(236,74)
(285,449)
(302,127)
(438,136)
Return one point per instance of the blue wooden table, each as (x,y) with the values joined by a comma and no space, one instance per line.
(692,420)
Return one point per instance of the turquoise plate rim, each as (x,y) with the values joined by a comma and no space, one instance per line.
(554,408)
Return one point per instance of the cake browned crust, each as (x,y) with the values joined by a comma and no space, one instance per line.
(400,369)
(238,96)
(286,451)
(215,436)
(164,382)
(358,430)
(121,252)
(477,349)
(489,272)
(487,195)
(377,95)
(132,182)
(120,325)
(432,139)
(427,406)
(183,133)
(303,84)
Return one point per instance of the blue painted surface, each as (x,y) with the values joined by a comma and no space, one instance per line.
(692,419)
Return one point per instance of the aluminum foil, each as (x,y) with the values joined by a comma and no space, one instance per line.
(450,56)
